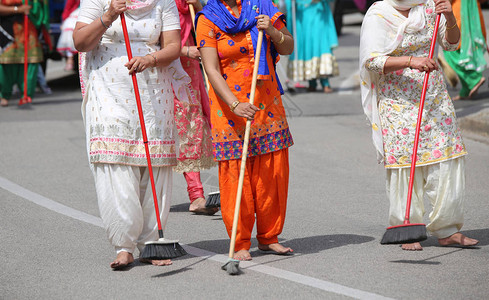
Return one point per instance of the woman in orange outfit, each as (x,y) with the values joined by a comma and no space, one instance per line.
(227,33)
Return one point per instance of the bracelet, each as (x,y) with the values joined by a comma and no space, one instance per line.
(103,24)
(409,61)
(188,48)
(154,57)
(282,38)
(16,9)
(234,105)
(451,27)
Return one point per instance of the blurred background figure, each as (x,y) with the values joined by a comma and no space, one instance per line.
(193,118)
(12,45)
(468,61)
(65,43)
(312,25)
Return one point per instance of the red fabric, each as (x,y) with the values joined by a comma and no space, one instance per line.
(70,6)
(265,190)
(194,185)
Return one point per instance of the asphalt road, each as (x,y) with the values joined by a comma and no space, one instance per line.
(53,247)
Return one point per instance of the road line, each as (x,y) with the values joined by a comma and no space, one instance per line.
(245,265)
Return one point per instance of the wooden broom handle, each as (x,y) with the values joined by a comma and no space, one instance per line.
(245,147)
(192,15)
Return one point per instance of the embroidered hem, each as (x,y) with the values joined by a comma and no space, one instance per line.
(426,163)
(194,165)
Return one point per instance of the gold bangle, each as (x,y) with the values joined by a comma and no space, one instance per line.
(234,105)
(154,57)
(451,27)
(409,61)
(282,38)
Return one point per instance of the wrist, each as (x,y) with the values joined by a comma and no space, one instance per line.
(233,105)
(16,9)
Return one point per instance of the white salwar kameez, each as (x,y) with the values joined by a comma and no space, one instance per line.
(444,186)
(391,103)
(114,140)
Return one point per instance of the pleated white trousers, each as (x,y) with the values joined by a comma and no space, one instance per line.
(444,186)
(125,200)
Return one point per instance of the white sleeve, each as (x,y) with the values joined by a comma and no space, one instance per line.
(90,10)
(170,17)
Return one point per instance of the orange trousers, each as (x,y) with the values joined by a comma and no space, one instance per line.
(265,188)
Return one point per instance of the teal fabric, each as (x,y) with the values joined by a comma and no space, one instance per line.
(316,33)
(11,74)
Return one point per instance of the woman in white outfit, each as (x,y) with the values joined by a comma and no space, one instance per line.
(114,140)
(394,45)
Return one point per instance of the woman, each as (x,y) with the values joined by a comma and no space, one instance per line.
(316,38)
(468,60)
(12,46)
(114,140)
(227,34)
(193,120)
(394,46)
(65,43)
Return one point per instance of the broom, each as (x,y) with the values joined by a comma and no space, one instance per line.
(162,248)
(25,99)
(410,233)
(214,198)
(232,265)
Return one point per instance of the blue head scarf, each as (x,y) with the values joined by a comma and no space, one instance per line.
(218,14)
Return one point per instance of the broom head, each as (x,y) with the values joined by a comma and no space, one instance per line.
(404,234)
(213,200)
(232,267)
(162,249)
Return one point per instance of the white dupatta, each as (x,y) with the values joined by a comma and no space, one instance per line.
(383,29)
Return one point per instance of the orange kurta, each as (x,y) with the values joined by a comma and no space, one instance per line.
(267,168)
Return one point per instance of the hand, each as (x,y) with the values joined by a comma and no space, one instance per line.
(246,110)
(23,9)
(139,63)
(423,64)
(263,23)
(193,2)
(193,52)
(443,7)
(116,8)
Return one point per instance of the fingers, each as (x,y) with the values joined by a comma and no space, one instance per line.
(136,65)
(263,22)
(246,110)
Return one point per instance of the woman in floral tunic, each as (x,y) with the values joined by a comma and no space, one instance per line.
(394,46)
(114,140)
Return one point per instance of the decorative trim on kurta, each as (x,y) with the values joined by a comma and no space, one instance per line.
(257,145)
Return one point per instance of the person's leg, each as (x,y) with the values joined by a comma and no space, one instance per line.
(41,80)
(10,75)
(312,85)
(228,183)
(270,182)
(32,70)
(397,185)
(326,85)
(163,179)
(117,189)
(196,194)
(445,188)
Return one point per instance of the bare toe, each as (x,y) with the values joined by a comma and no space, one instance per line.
(122,260)
(458,239)
(156,262)
(242,255)
(275,247)
(412,247)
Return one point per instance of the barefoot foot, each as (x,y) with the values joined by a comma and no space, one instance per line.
(156,262)
(275,247)
(198,208)
(412,247)
(474,90)
(242,255)
(458,239)
(122,260)
(327,90)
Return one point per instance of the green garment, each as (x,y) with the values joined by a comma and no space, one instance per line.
(11,74)
(469,62)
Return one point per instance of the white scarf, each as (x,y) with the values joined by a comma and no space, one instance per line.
(383,29)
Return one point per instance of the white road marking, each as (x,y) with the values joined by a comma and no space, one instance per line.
(248,265)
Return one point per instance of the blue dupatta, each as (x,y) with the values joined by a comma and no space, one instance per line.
(218,14)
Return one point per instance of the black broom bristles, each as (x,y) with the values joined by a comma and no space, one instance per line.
(213,200)
(404,234)
(162,249)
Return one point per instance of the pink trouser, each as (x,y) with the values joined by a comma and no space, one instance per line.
(194,185)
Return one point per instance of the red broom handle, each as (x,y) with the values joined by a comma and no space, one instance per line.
(418,124)
(143,126)
(26,49)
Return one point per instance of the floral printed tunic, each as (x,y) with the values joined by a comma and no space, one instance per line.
(399,94)
(269,129)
